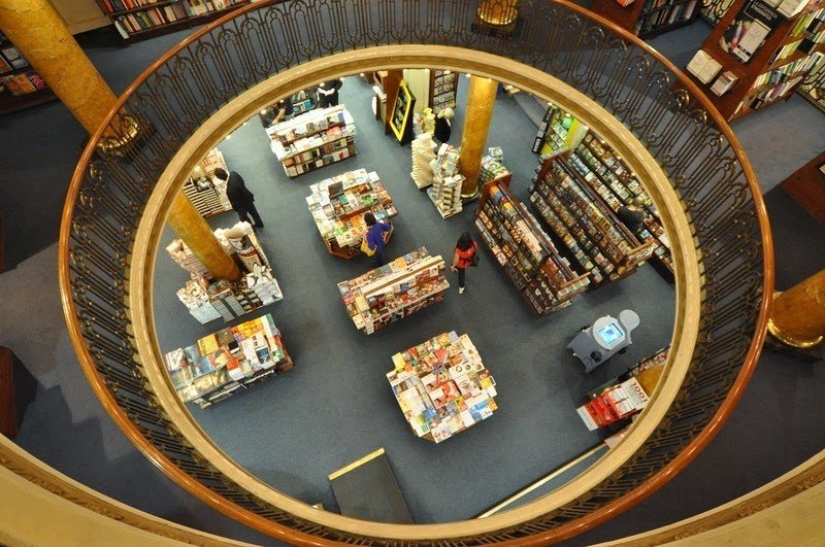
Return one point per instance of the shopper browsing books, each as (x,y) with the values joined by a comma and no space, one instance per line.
(633,215)
(377,232)
(464,256)
(328,93)
(444,125)
(242,200)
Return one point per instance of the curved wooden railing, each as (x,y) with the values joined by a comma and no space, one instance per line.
(725,265)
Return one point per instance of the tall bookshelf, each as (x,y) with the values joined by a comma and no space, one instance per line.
(578,216)
(647,18)
(758,54)
(20,85)
(443,89)
(137,20)
(313,140)
(530,259)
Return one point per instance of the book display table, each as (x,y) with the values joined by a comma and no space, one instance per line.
(312,140)
(614,404)
(442,386)
(232,359)
(395,290)
(338,205)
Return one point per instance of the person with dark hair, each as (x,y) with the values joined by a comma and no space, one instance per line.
(328,93)
(633,215)
(465,251)
(276,113)
(375,235)
(242,200)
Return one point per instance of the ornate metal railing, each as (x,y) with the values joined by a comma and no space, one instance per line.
(690,142)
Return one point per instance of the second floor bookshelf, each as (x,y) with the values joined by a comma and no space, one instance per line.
(647,18)
(137,20)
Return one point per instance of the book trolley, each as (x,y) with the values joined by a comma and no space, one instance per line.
(312,140)
(232,359)
(394,291)
(600,243)
(529,258)
(338,205)
(442,386)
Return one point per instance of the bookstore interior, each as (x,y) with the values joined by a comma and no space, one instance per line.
(572,257)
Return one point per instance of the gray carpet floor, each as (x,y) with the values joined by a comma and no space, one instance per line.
(776,426)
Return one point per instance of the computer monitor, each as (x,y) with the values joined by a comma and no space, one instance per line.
(609,335)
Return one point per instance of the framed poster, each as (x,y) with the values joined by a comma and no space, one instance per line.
(749,29)
(401,112)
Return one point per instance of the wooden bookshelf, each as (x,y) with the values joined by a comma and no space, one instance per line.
(313,140)
(137,20)
(598,241)
(338,205)
(528,256)
(764,74)
(20,85)
(807,186)
(227,362)
(394,291)
(647,18)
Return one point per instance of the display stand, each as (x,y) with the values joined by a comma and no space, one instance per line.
(614,404)
(338,205)
(395,290)
(442,386)
(529,258)
(401,120)
(423,154)
(313,140)
(208,300)
(207,193)
(445,192)
(233,359)
(599,242)
(443,89)
(758,54)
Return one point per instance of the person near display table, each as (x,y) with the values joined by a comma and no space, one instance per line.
(242,200)
(375,241)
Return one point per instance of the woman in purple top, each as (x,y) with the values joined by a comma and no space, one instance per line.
(375,237)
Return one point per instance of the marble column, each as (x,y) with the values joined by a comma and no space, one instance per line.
(480,102)
(798,316)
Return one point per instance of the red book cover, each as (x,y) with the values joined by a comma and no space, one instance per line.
(4,66)
(37,80)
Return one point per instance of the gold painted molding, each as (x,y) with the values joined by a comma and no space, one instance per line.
(785,511)
(41,506)
(507,71)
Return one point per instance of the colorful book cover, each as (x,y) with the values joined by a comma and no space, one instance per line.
(36,80)
(4,66)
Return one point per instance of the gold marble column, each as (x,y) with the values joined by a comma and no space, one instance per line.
(480,102)
(40,34)
(498,12)
(798,316)
(190,226)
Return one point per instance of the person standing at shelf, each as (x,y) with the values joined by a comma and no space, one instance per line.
(464,257)
(376,235)
(242,200)
(328,93)
(444,125)
(633,215)
(276,113)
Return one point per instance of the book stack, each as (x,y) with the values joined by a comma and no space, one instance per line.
(234,358)
(394,291)
(223,299)
(446,188)
(194,297)
(423,154)
(613,404)
(186,259)
(442,386)
(264,286)
(491,167)
(338,205)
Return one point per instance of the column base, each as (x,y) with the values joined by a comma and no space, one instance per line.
(791,341)
(471,197)
(128,135)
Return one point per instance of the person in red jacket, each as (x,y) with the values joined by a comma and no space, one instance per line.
(465,250)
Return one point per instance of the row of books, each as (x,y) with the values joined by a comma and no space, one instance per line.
(11,59)
(664,16)
(782,74)
(308,124)
(230,359)
(338,205)
(22,84)
(442,386)
(811,22)
(393,291)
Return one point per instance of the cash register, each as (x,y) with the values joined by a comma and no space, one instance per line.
(607,336)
